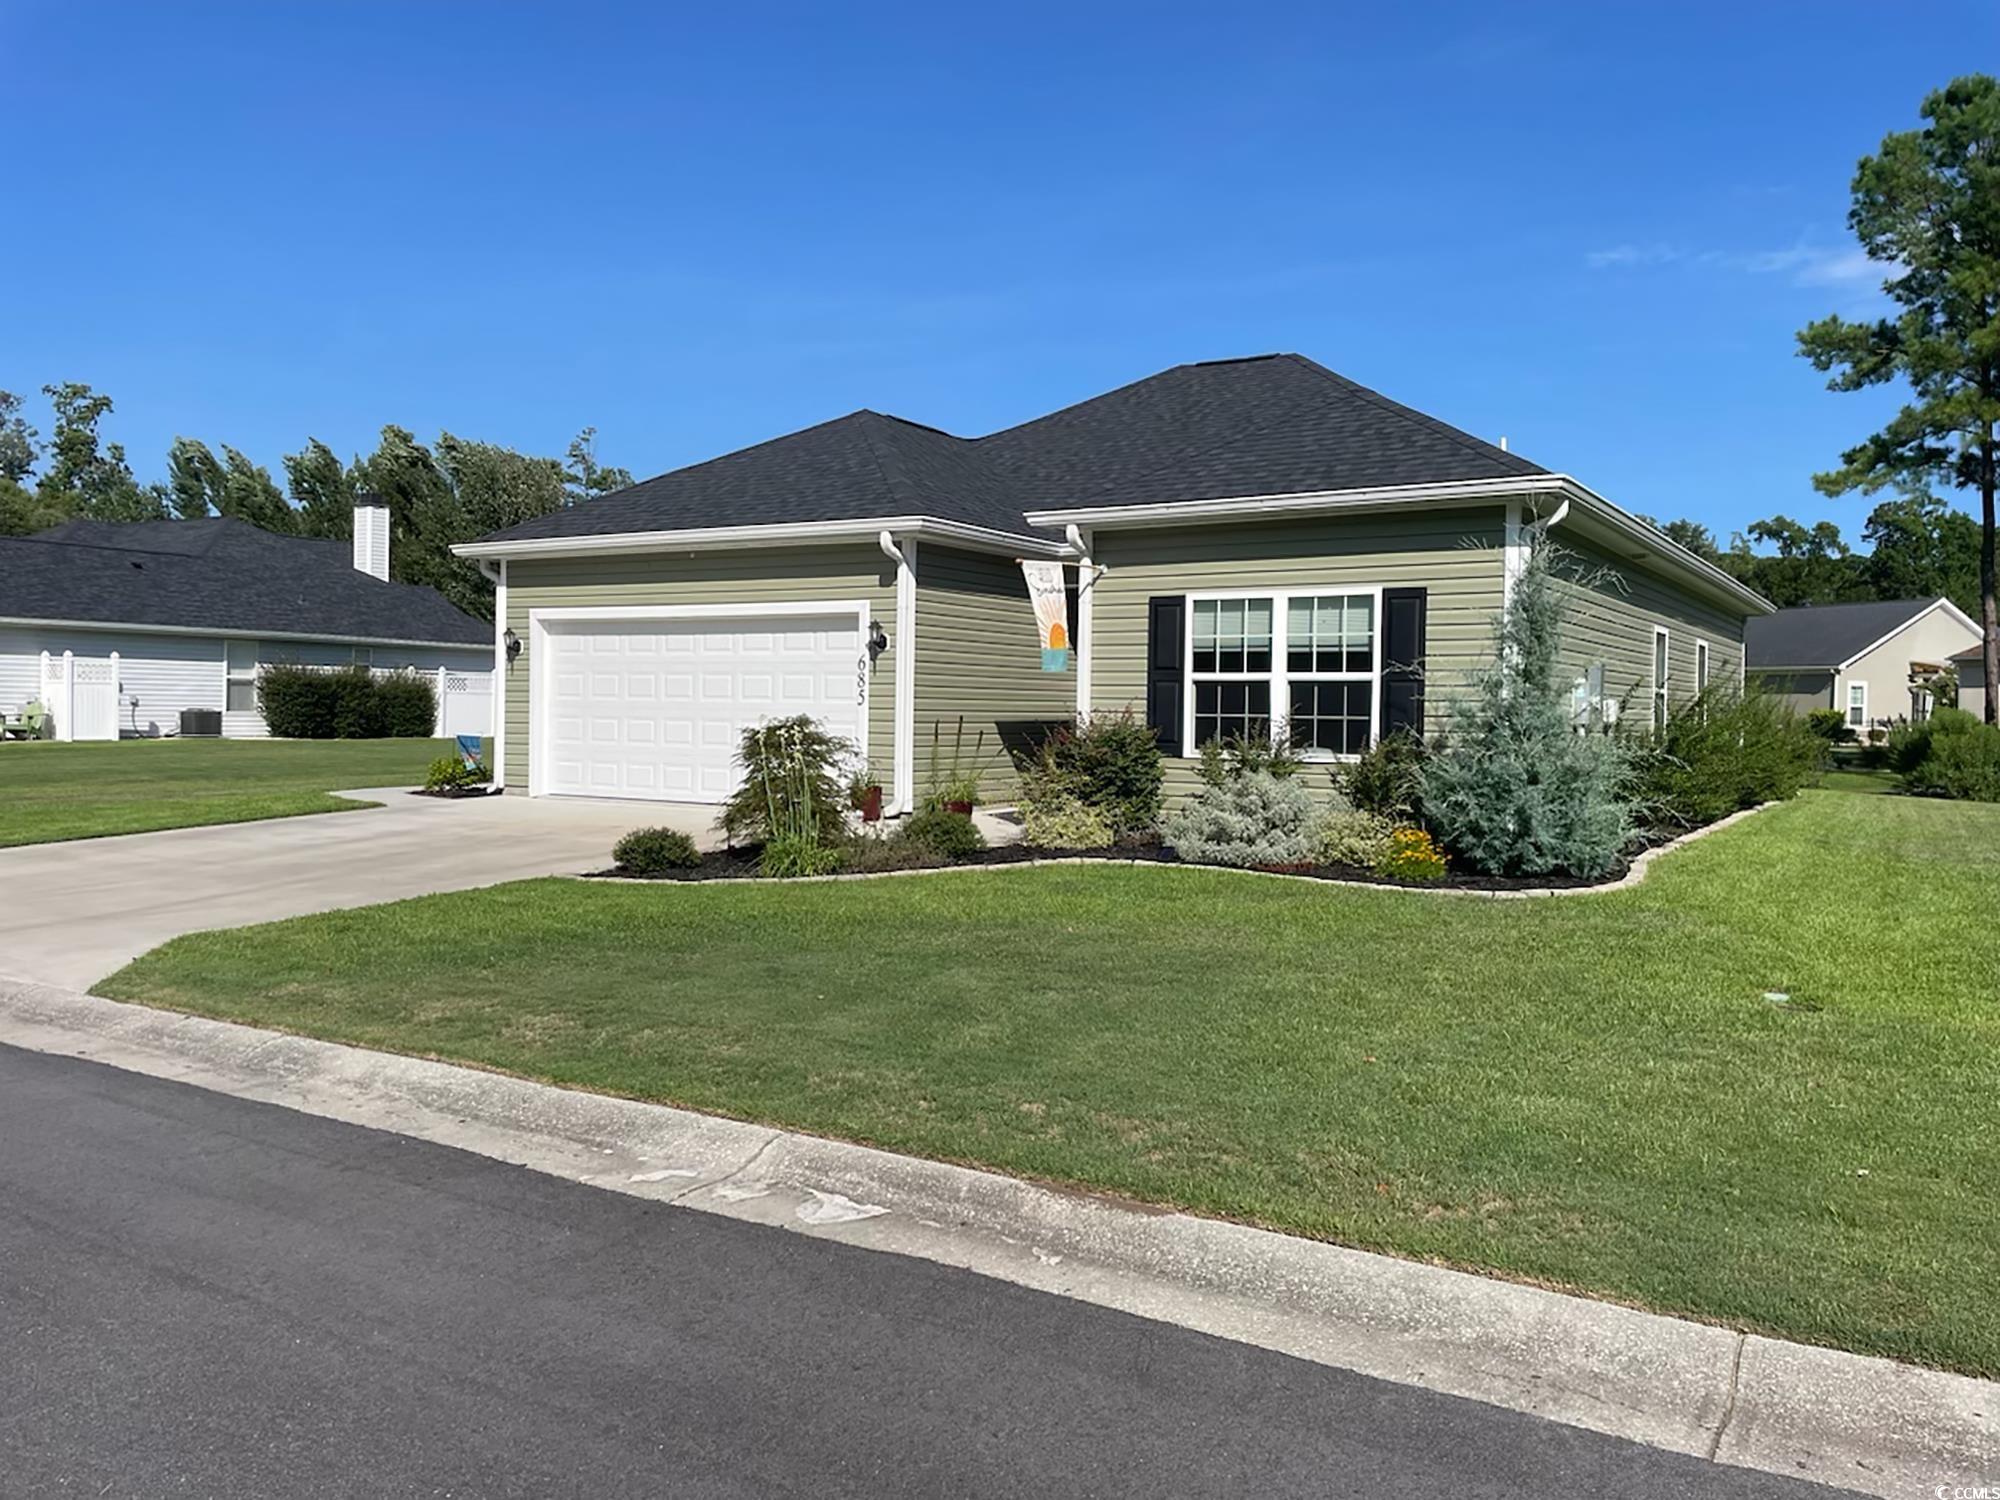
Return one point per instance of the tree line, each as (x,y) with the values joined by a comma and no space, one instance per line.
(451,491)
(1918,548)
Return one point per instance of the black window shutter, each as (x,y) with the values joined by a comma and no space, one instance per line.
(1165,619)
(1403,659)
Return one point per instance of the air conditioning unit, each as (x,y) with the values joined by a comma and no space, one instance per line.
(201,723)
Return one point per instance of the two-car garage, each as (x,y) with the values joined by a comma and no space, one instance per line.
(652,703)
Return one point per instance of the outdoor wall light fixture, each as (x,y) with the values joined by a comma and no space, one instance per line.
(878,640)
(512,645)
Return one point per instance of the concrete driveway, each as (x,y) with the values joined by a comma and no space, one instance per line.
(72,913)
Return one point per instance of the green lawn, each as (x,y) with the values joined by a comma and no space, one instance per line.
(52,791)
(1589,1091)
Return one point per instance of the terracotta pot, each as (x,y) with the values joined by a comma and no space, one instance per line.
(870,803)
(957,807)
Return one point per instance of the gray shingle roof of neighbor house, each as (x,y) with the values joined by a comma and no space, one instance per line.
(1271,424)
(1824,635)
(219,574)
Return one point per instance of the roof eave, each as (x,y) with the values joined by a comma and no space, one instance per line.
(241,632)
(1657,546)
(788,533)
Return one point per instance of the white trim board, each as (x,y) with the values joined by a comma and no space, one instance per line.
(792,533)
(539,621)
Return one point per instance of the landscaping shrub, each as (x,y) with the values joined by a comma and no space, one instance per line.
(1387,778)
(957,776)
(1236,756)
(1110,763)
(653,851)
(449,773)
(1253,819)
(1518,791)
(869,856)
(792,784)
(1412,855)
(1831,725)
(347,703)
(1351,836)
(792,854)
(1063,822)
(1951,754)
(407,703)
(949,835)
(1720,752)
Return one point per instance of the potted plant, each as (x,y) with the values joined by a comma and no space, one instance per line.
(864,794)
(959,793)
(955,777)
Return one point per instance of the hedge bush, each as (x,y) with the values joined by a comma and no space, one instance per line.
(1723,751)
(1110,763)
(653,851)
(1352,836)
(1063,822)
(1831,725)
(450,773)
(1951,754)
(949,834)
(345,703)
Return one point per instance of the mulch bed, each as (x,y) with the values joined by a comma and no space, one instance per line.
(741,864)
(453,793)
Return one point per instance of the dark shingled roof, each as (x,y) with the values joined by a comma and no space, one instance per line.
(220,574)
(1824,635)
(1273,424)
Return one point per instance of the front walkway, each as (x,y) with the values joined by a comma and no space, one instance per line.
(72,913)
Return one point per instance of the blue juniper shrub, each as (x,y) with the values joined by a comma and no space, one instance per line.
(1518,791)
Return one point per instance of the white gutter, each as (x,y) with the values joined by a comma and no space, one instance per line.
(243,632)
(1399,497)
(706,538)
(903,773)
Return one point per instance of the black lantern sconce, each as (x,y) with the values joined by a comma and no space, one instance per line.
(511,644)
(878,641)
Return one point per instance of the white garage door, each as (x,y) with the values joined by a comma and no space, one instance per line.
(657,708)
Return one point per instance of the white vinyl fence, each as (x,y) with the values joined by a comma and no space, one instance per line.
(81,695)
(465,703)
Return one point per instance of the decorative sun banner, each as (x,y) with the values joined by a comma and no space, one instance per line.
(1045,588)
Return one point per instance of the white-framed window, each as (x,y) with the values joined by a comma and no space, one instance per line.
(1659,677)
(1701,666)
(1857,705)
(1305,664)
(239,693)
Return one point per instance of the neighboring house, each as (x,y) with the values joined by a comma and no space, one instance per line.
(1262,541)
(192,611)
(1971,667)
(1873,661)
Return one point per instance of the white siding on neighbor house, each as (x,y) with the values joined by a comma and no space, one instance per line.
(1884,673)
(158,675)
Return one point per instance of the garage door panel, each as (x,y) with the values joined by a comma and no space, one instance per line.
(623,723)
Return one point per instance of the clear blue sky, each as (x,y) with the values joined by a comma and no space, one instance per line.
(1592,228)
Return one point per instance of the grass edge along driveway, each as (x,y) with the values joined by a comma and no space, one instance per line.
(53,791)
(1588,1092)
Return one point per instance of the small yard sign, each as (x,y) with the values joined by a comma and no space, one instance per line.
(468,751)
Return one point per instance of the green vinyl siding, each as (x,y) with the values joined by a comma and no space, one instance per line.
(1455,554)
(979,658)
(764,576)
(1612,610)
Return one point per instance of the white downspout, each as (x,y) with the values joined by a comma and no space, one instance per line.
(497,576)
(903,774)
(1086,614)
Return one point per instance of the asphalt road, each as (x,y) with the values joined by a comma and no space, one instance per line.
(205,1296)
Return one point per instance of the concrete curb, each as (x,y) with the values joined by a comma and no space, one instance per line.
(1866,1424)
(1642,863)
